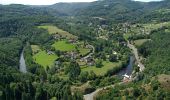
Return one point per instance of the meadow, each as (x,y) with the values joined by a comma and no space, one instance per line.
(35,49)
(55,30)
(44,59)
(103,70)
(140,42)
(64,46)
(84,51)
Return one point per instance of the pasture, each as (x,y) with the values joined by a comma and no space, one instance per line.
(140,42)
(103,70)
(35,49)
(55,30)
(64,46)
(84,51)
(44,59)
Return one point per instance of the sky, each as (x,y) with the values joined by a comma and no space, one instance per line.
(48,2)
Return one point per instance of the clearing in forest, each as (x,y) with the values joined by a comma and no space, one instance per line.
(140,42)
(64,46)
(44,59)
(35,49)
(84,51)
(103,70)
(55,30)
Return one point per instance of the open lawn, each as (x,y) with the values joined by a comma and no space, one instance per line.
(140,42)
(44,59)
(35,48)
(84,51)
(53,30)
(103,70)
(64,46)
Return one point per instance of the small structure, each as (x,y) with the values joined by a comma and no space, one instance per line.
(126,78)
(50,53)
(56,36)
(72,40)
(114,52)
(90,61)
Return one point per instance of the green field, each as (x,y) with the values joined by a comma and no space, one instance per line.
(64,46)
(103,70)
(140,42)
(53,30)
(35,48)
(84,51)
(44,59)
(153,26)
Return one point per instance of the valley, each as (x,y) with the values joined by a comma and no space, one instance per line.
(101,50)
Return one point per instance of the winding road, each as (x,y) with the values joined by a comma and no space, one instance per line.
(90,54)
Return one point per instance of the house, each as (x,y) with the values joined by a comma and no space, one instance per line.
(56,36)
(90,61)
(72,40)
(50,52)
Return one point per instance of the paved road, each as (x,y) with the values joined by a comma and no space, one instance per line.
(135,52)
(93,94)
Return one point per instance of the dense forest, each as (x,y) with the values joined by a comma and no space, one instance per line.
(95,50)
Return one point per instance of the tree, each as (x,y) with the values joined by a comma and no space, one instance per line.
(92,75)
(113,58)
(99,63)
(73,70)
(83,76)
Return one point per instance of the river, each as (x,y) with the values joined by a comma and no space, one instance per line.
(22,66)
(127,70)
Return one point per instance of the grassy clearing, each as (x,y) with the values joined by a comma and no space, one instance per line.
(103,70)
(84,51)
(53,30)
(153,26)
(64,46)
(140,41)
(165,81)
(35,48)
(44,59)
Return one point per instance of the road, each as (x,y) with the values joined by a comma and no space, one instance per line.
(90,54)
(93,94)
(140,65)
(135,52)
